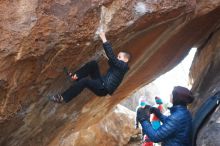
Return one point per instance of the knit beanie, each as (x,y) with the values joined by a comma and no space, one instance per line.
(182,96)
(158,100)
(142,102)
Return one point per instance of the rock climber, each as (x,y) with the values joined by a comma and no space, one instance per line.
(99,84)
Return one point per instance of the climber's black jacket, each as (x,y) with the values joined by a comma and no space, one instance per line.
(116,72)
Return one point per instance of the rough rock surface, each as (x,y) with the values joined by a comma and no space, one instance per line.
(38,38)
(205,75)
(114,130)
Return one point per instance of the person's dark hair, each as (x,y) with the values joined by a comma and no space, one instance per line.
(182,96)
(127,55)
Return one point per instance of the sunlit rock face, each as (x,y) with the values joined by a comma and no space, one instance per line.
(114,130)
(38,38)
(205,74)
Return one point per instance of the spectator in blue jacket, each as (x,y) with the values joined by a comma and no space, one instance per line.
(177,127)
(99,84)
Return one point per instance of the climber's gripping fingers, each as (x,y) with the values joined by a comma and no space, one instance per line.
(102,36)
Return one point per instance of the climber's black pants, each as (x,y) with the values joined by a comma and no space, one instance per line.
(94,84)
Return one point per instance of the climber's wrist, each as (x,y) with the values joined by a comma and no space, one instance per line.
(104,40)
(103,37)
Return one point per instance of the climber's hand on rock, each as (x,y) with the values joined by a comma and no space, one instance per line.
(102,36)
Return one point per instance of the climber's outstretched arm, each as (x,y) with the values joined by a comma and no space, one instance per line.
(108,48)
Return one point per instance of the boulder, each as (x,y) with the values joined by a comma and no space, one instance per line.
(39,38)
(205,77)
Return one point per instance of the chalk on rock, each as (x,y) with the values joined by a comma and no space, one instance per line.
(141,8)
